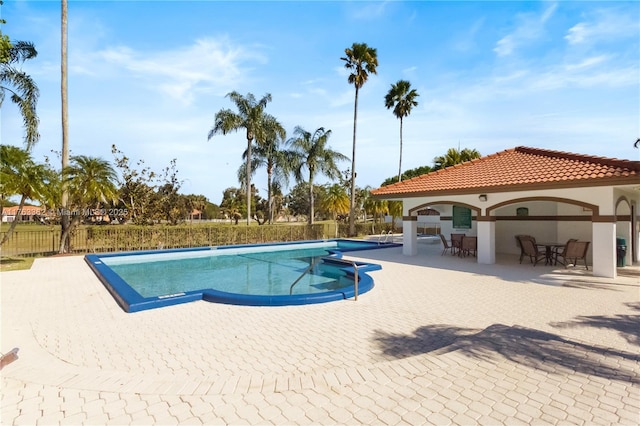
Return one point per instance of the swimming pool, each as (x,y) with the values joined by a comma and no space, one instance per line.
(258,275)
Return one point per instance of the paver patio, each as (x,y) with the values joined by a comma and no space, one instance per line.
(439,340)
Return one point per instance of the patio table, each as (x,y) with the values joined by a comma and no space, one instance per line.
(548,250)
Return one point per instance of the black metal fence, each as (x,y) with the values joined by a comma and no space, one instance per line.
(100,239)
(112,238)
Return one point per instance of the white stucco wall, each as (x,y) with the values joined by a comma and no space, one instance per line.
(542,230)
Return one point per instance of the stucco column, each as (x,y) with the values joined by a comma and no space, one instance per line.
(603,249)
(486,241)
(410,235)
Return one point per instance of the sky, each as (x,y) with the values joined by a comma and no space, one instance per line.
(149,77)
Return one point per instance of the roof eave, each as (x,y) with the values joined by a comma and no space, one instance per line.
(565,184)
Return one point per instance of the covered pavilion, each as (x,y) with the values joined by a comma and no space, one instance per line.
(551,195)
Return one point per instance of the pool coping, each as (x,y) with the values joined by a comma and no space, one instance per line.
(131,301)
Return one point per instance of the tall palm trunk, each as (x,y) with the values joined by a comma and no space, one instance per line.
(249,139)
(64,235)
(269,200)
(400,162)
(311,200)
(352,204)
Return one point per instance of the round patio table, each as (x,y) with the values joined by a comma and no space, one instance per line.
(548,250)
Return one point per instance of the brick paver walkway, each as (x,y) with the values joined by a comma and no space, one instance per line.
(439,340)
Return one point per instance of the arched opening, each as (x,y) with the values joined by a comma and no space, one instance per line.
(549,219)
(625,241)
(446,217)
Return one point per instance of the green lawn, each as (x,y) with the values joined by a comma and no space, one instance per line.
(15,263)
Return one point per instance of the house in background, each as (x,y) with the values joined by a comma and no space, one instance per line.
(195,215)
(550,195)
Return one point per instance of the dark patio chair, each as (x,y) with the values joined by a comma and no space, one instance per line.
(530,249)
(445,244)
(456,243)
(469,246)
(561,251)
(575,250)
(520,245)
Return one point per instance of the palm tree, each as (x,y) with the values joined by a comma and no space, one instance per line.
(19,175)
(402,98)
(310,151)
(64,222)
(335,201)
(231,204)
(361,60)
(268,154)
(276,206)
(455,156)
(21,88)
(91,184)
(252,118)
(395,210)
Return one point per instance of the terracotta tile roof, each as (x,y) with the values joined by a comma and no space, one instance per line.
(519,168)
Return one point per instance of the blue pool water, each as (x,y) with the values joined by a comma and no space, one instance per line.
(251,275)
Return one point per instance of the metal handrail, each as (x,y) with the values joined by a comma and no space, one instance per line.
(315,262)
(333,259)
(355,274)
(386,237)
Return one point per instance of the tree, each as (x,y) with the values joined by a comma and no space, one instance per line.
(297,200)
(311,152)
(211,210)
(19,175)
(196,202)
(5,43)
(276,205)
(250,117)
(454,156)
(91,185)
(402,98)
(269,154)
(232,204)
(335,201)
(408,174)
(137,189)
(361,60)
(170,205)
(20,87)
(374,206)
(65,225)
(395,210)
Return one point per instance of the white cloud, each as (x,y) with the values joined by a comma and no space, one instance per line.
(530,28)
(371,10)
(318,91)
(342,71)
(587,63)
(605,78)
(344,98)
(182,73)
(604,24)
(410,70)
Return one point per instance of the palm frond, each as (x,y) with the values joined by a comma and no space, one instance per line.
(24,93)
